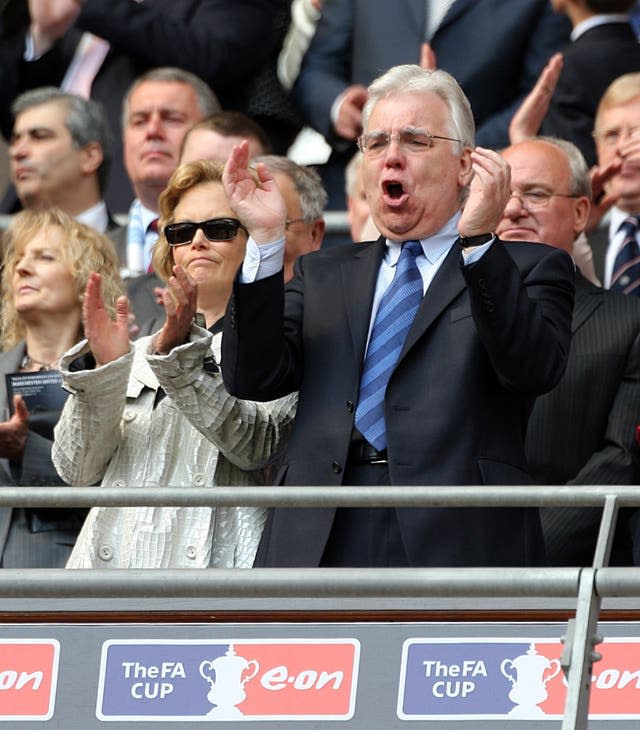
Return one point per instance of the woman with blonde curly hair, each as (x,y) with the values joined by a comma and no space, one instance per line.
(155,412)
(47,260)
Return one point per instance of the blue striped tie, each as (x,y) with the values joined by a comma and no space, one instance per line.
(626,268)
(395,315)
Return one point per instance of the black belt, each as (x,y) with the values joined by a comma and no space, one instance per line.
(362,452)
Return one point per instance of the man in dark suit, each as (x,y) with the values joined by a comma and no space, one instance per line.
(60,155)
(494,48)
(158,110)
(604,46)
(583,431)
(219,41)
(491,332)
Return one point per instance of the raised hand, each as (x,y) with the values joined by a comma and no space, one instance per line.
(158,292)
(349,122)
(50,20)
(527,120)
(108,338)
(489,192)
(13,433)
(180,301)
(601,198)
(257,203)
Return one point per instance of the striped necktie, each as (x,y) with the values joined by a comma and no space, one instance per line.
(395,315)
(626,268)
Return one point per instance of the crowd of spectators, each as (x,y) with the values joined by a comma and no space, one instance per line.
(150,153)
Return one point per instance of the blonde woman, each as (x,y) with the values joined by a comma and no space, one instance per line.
(155,412)
(48,257)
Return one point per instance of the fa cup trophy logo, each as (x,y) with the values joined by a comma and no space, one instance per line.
(227,676)
(529,681)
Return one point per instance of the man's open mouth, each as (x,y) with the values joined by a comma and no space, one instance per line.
(393,189)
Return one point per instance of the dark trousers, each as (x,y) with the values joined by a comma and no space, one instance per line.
(364,537)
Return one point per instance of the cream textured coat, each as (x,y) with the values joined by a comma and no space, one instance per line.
(198,435)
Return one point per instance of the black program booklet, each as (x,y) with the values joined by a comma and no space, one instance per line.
(43,395)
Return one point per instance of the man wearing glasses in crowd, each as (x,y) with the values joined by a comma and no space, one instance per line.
(596,404)
(417,356)
(617,135)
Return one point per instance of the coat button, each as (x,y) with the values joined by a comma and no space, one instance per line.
(199,480)
(128,415)
(337,467)
(105,552)
(350,406)
(191,552)
(119,483)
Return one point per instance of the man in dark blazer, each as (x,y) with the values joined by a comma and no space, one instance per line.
(604,46)
(158,110)
(492,332)
(583,431)
(221,42)
(495,49)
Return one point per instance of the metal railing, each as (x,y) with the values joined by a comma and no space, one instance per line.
(588,585)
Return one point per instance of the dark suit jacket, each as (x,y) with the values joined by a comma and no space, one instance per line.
(494,48)
(591,63)
(487,339)
(599,242)
(142,301)
(583,431)
(150,315)
(34,538)
(220,41)
(119,237)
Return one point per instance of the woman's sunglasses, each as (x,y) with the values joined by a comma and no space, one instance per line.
(215,229)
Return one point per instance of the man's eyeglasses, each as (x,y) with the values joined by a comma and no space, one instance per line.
(532,199)
(611,137)
(215,229)
(291,221)
(375,144)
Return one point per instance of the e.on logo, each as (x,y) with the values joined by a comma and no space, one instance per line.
(28,676)
(615,682)
(301,679)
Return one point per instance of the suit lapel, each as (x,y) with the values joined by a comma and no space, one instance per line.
(599,242)
(359,276)
(458,8)
(445,287)
(418,9)
(587,300)
(9,363)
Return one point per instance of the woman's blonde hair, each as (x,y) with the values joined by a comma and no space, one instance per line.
(188,176)
(84,250)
